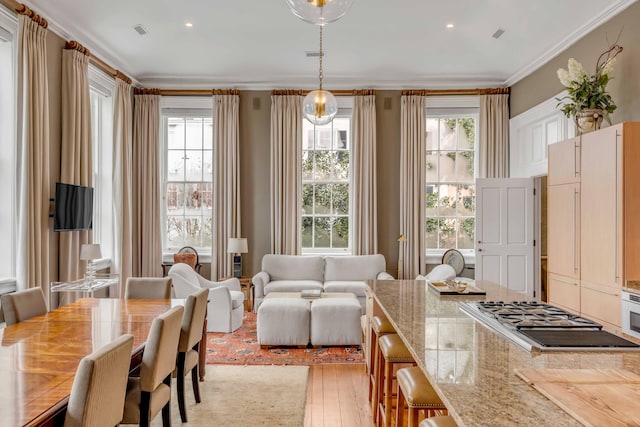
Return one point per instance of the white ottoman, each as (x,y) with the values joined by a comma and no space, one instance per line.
(283,321)
(336,321)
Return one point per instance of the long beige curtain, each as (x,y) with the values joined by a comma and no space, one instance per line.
(365,217)
(75,152)
(146,242)
(226,191)
(494,136)
(413,136)
(286,172)
(122,180)
(33,155)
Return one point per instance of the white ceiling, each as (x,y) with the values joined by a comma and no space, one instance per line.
(260,44)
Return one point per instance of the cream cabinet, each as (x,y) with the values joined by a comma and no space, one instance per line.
(593,232)
(564,162)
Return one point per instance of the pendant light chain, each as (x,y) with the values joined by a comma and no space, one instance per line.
(321,54)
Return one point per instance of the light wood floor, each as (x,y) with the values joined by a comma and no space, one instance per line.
(337,396)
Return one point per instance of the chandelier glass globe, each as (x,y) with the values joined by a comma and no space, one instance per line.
(319,12)
(320,107)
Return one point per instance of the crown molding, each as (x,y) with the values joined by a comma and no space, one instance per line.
(310,83)
(606,14)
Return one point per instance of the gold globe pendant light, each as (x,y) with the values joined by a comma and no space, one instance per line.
(320,106)
(319,12)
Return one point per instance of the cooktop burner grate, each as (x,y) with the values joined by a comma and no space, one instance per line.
(532,314)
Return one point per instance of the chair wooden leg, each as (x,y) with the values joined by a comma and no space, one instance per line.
(166,410)
(400,403)
(388,392)
(196,386)
(180,386)
(145,400)
(377,385)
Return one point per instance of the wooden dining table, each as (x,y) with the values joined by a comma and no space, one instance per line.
(39,356)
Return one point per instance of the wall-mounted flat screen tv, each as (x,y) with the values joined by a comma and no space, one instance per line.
(73,207)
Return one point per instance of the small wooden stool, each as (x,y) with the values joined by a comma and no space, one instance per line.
(391,351)
(440,421)
(416,392)
(379,326)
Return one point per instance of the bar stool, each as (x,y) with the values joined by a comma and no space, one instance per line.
(416,392)
(440,421)
(391,351)
(380,326)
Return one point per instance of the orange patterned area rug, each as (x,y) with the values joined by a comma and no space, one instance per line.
(241,348)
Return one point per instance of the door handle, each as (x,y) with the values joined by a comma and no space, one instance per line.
(479,250)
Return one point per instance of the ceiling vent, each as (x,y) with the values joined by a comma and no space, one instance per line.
(313,54)
(498,33)
(140,29)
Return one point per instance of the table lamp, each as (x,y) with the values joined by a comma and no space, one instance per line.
(89,252)
(237,246)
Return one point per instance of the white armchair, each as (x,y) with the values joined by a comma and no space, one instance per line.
(226,301)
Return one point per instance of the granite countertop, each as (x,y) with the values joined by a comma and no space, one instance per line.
(472,367)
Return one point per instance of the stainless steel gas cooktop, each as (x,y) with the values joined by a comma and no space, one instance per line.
(532,324)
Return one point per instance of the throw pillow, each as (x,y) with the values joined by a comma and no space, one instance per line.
(185,258)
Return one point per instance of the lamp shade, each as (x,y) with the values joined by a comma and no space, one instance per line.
(319,12)
(237,245)
(90,251)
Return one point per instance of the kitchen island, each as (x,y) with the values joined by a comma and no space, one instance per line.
(472,367)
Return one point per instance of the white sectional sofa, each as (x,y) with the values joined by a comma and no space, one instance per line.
(294,273)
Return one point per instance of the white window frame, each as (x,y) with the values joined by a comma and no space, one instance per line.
(178,105)
(454,107)
(8,151)
(345,110)
(102,88)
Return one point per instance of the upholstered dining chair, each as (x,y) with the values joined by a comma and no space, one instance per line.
(148,288)
(97,393)
(23,305)
(226,301)
(195,308)
(150,393)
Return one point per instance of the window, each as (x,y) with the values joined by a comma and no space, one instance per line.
(326,186)
(8,145)
(450,180)
(188,177)
(101,88)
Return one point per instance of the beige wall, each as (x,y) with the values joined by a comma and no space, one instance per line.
(625,86)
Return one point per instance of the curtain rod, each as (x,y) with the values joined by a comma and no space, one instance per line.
(433,92)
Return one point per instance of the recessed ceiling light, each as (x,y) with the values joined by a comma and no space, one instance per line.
(188,24)
(450,25)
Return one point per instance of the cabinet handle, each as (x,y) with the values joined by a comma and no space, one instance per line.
(575,231)
(576,154)
(615,221)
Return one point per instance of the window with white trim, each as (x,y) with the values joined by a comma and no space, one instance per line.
(8,147)
(450,200)
(326,186)
(101,88)
(188,176)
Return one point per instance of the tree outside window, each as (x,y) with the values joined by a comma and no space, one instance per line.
(189,182)
(450,182)
(326,186)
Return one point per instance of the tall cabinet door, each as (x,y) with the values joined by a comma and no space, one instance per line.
(601,210)
(563,229)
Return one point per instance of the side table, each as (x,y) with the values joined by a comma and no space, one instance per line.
(246,286)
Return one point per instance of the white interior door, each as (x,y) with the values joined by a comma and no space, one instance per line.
(504,233)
